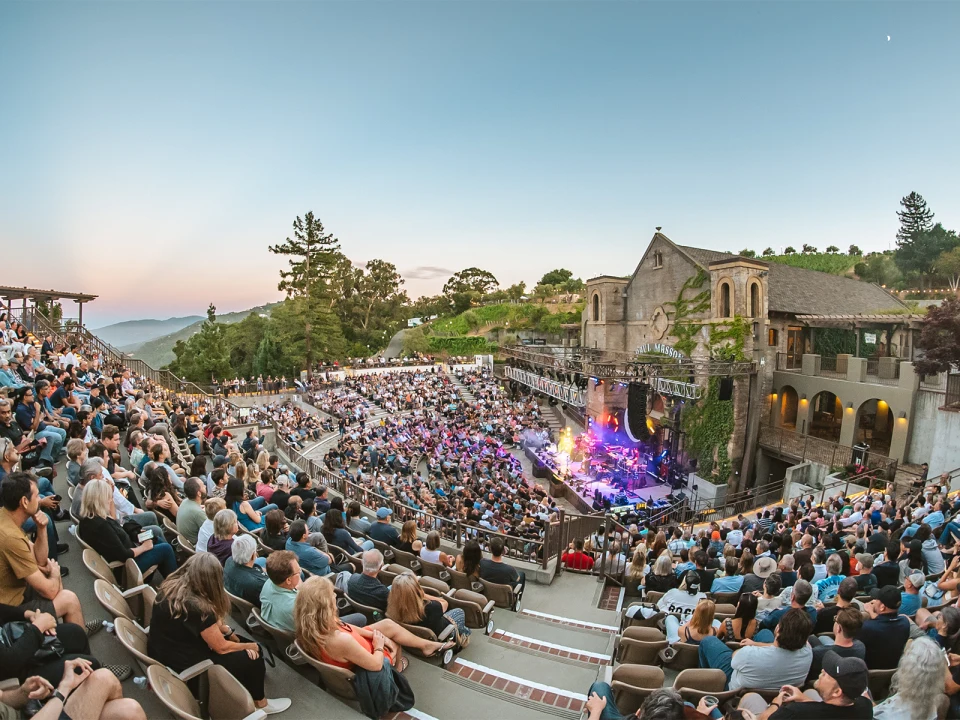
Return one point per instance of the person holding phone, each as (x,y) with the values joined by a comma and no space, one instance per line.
(99,529)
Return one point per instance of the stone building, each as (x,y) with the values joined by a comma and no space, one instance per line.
(708,304)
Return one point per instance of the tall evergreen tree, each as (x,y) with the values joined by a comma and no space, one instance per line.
(313,254)
(915,217)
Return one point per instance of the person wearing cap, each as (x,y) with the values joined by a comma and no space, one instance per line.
(886,633)
(865,579)
(680,603)
(837,694)
(383,530)
(910,597)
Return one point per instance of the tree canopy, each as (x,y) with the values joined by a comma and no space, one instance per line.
(915,217)
(940,338)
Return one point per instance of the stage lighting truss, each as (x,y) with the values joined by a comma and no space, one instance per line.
(685,390)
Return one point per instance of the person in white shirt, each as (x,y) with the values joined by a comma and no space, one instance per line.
(210,508)
(735,536)
(679,602)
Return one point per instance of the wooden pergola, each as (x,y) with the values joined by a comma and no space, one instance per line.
(34,295)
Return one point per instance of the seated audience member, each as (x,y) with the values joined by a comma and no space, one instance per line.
(308,513)
(225,529)
(383,530)
(663,704)
(918,683)
(846,626)
(930,549)
(242,576)
(819,564)
(248,517)
(310,558)
(837,695)
(661,577)
(160,495)
(769,600)
(576,558)
(888,572)
(680,603)
(700,560)
(324,636)
(756,571)
(827,587)
(802,590)
(336,533)
(365,587)
(846,592)
(280,591)
(886,633)
(785,567)
(355,520)
(190,515)
(495,570)
(103,533)
(431,551)
(81,692)
(468,562)
(910,597)
(743,624)
(865,579)
(275,531)
(29,579)
(188,626)
(409,540)
(769,667)
(210,508)
(941,626)
(731,581)
(407,604)
(914,560)
(700,625)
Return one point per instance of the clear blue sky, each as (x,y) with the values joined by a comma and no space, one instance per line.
(151,151)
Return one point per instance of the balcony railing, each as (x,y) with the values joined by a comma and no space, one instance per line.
(807,448)
(878,371)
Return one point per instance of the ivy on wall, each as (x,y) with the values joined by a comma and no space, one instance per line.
(708,423)
(830,342)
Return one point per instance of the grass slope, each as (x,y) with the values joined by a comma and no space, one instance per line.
(835,264)
(159,352)
(520,316)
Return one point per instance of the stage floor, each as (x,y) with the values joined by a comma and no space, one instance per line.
(585,487)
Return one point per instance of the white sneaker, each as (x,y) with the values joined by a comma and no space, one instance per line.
(277,705)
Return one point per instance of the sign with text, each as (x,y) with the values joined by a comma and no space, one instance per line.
(660,349)
(569,394)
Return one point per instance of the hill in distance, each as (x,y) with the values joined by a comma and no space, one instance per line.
(158,351)
(832,263)
(133,332)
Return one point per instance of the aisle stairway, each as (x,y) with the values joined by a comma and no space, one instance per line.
(462,389)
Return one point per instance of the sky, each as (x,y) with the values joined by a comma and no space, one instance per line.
(153,150)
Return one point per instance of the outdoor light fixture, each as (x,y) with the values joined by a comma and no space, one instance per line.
(903,416)
(849,406)
(803,398)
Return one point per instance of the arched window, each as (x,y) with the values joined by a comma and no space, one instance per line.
(596,307)
(725,301)
(755,306)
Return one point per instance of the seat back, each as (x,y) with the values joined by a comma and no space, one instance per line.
(242,608)
(283,638)
(694,684)
(459,580)
(725,598)
(174,693)
(473,606)
(432,583)
(111,599)
(336,680)
(653,597)
(725,610)
(372,614)
(134,576)
(406,559)
(228,699)
(434,570)
(641,651)
(632,684)
(502,595)
(879,683)
(134,640)
(99,567)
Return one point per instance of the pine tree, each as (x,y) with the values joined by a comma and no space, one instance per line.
(313,255)
(915,217)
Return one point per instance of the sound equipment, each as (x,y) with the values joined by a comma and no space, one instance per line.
(726,388)
(637,411)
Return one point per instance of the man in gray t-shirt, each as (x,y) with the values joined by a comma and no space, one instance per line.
(785,662)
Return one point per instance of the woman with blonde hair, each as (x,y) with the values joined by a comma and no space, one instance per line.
(263,460)
(210,508)
(188,627)
(100,529)
(323,636)
(700,624)
(638,568)
(662,577)
(409,605)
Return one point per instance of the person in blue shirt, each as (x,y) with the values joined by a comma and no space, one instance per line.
(802,592)
(310,559)
(731,582)
(910,599)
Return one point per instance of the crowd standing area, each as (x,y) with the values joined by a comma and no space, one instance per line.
(218,563)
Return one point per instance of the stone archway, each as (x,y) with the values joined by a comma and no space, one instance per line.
(786,406)
(874,426)
(826,416)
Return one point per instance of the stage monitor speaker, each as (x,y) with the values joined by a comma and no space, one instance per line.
(637,407)
(726,388)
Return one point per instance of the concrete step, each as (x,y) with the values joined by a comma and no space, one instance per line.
(569,636)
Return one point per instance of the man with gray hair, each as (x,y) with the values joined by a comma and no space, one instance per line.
(367,588)
(663,704)
(242,575)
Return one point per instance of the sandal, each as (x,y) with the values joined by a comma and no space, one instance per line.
(402,665)
(442,649)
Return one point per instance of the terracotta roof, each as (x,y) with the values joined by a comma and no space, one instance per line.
(809,292)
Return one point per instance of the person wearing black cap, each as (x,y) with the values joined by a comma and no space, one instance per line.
(886,633)
(838,695)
